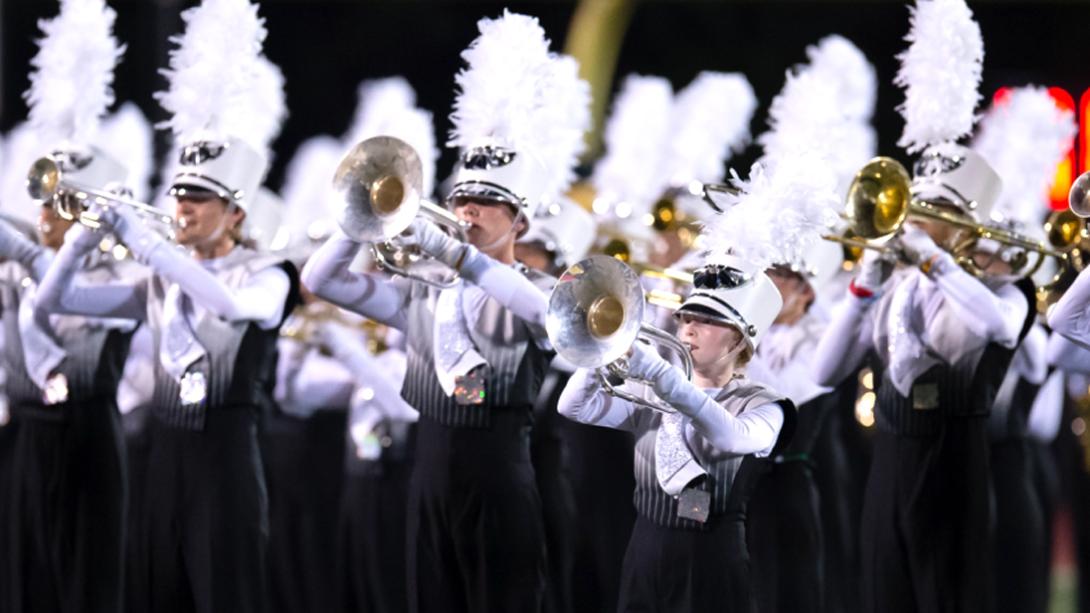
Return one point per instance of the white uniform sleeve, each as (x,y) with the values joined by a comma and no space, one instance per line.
(327,274)
(261,299)
(755,431)
(59,292)
(1070,316)
(585,401)
(14,246)
(997,315)
(507,286)
(845,343)
(1067,355)
(369,373)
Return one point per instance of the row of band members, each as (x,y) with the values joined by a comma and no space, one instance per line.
(471,509)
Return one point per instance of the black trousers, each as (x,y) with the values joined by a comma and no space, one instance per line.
(785,541)
(841,457)
(926,531)
(136,452)
(7,447)
(685,571)
(206,518)
(602,481)
(1021,560)
(303,461)
(67,514)
(549,454)
(371,565)
(476,543)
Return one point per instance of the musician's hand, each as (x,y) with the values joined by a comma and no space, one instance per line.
(874,269)
(436,243)
(917,246)
(645,363)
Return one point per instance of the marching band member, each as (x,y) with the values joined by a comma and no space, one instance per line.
(381,430)
(695,468)
(561,234)
(1024,136)
(477,352)
(66,522)
(213,315)
(823,110)
(943,340)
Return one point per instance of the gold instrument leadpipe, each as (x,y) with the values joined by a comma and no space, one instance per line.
(880,200)
(46,182)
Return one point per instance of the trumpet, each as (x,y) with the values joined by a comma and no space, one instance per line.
(380,183)
(72,201)
(596,314)
(880,201)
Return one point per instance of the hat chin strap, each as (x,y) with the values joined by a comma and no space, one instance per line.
(724,363)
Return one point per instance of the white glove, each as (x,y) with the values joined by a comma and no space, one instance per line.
(82,238)
(873,271)
(437,244)
(917,246)
(645,363)
(130,230)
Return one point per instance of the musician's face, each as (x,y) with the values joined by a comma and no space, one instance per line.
(51,228)
(796,291)
(490,221)
(203,217)
(710,342)
(945,235)
(535,256)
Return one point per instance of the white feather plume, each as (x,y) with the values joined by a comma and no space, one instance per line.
(636,138)
(776,217)
(498,89)
(819,111)
(1024,138)
(128,137)
(212,68)
(837,59)
(308,192)
(514,93)
(71,86)
(711,120)
(564,117)
(940,71)
(387,107)
(376,98)
(257,115)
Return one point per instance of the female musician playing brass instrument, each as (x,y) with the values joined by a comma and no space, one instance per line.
(695,463)
(687,551)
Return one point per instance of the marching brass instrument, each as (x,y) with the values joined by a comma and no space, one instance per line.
(1064,230)
(880,200)
(1078,198)
(304,324)
(596,314)
(380,182)
(46,182)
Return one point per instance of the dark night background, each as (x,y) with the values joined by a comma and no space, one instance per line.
(326,47)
